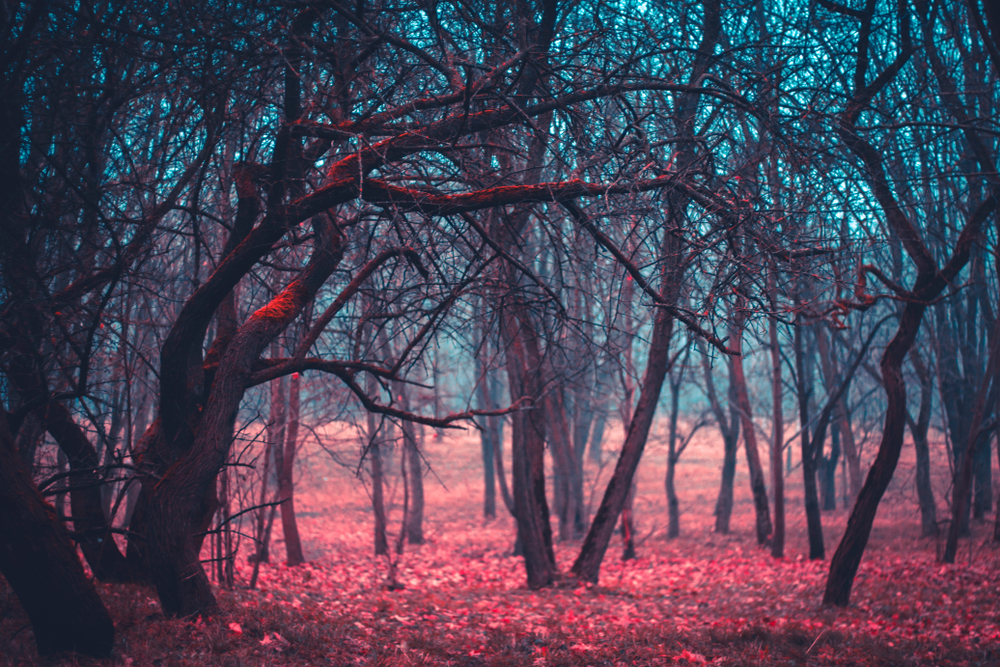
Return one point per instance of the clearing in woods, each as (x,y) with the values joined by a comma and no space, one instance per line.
(703,598)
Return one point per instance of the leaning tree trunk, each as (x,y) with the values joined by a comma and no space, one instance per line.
(847,558)
(176,506)
(588,563)
(40,563)
(757,485)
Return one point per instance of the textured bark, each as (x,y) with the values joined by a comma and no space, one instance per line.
(804,387)
(847,558)
(373,452)
(40,563)
(413,471)
(528,453)
(486,441)
(568,485)
(176,510)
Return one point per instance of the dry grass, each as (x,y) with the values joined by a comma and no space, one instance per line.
(702,597)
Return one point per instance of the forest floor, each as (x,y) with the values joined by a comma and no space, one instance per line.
(703,598)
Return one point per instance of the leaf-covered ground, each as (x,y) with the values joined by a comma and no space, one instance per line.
(700,599)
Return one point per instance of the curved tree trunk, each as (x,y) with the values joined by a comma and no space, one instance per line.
(847,558)
(176,508)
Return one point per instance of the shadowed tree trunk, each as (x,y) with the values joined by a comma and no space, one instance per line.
(777,422)
(373,452)
(804,389)
(919,429)
(413,469)
(673,506)
(40,563)
(985,397)
(286,481)
(729,427)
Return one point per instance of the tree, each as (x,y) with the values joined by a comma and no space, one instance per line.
(40,563)
(931,278)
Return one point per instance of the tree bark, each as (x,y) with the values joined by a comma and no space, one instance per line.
(729,427)
(804,388)
(40,563)
(89,521)
(919,429)
(286,481)
(528,452)
(960,499)
(757,485)
(176,508)
(777,426)
(413,469)
(673,506)
(588,563)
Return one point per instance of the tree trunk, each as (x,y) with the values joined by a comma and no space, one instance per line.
(412,469)
(847,558)
(828,486)
(588,563)
(757,485)
(286,485)
(177,505)
(89,521)
(673,506)
(852,457)
(919,429)
(40,563)
(373,453)
(960,500)
(778,427)
(729,427)
(804,387)
(568,486)
(486,443)
(628,526)
(528,451)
